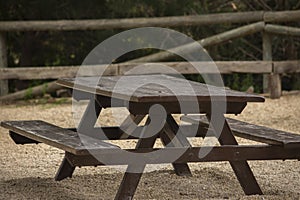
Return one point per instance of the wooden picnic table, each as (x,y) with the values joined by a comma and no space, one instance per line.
(157,97)
(140,92)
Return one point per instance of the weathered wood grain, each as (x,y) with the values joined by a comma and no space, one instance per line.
(253,132)
(267,56)
(282,16)
(275,85)
(155,88)
(102,24)
(223,67)
(282,67)
(52,135)
(173,21)
(216,154)
(282,30)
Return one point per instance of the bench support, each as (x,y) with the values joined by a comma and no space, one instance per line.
(171,131)
(241,168)
(65,170)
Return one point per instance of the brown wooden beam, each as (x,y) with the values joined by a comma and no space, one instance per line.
(285,67)
(282,16)
(224,67)
(216,154)
(102,24)
(173,21)
(282,30)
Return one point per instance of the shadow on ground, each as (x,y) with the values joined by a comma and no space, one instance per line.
(164,184)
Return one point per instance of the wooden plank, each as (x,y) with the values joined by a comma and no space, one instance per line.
(216,154)
(3,64)
(224,67)
(102,24)
(253,132)
(205,106)
(58,137)
(282,30)
(254,67)
(232,107)
(285,67)
(155,88)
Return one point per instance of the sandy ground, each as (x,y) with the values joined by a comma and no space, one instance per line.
(27,171)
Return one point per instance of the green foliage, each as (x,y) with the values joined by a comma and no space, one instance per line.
(195,77)
(45,87)
(242,82)
(28,94)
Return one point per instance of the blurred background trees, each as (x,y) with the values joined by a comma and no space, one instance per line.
(71,47)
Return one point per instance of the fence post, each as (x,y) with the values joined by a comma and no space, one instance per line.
(3,64)
(267,56)
(271,82)
(275,86)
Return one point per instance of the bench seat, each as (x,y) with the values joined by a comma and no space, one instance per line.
(67,140)
(252,132)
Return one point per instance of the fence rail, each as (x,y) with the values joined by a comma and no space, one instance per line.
(260,20)
(173,21)
(225,67)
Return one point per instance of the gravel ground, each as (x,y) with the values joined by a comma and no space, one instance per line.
(27,171)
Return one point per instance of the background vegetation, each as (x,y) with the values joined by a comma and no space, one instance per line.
(70,48)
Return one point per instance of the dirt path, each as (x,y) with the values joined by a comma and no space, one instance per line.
(27,171)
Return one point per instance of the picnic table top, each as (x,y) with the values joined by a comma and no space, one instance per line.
(155,88)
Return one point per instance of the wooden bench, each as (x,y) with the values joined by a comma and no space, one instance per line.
(250,131)
(35,131)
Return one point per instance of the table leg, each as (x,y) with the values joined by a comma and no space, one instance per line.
(241,168)
(130,179)
(178,140)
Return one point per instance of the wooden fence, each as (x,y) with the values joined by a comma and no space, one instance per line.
(225,67)
(260,23)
